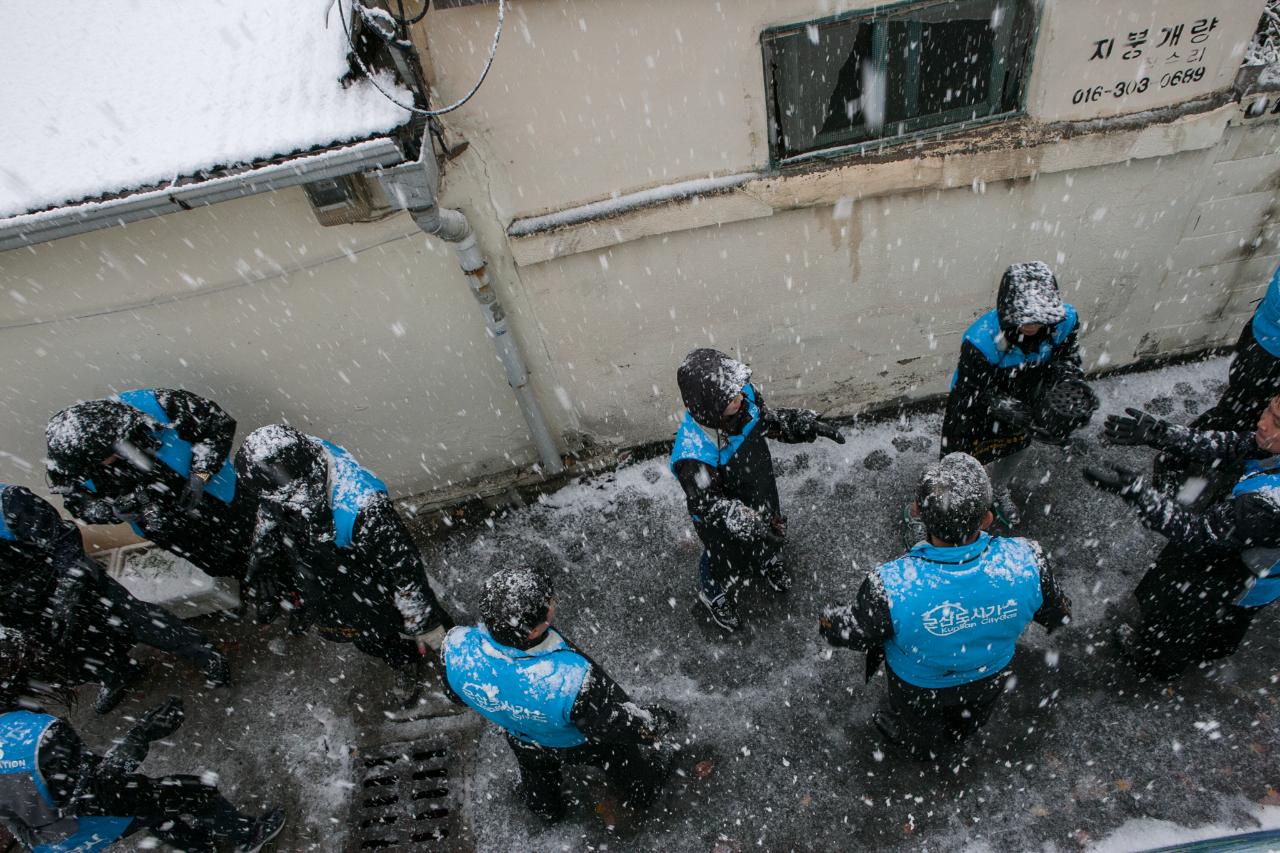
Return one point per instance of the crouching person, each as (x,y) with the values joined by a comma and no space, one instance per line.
(945,617)
(555,704)
(57,795)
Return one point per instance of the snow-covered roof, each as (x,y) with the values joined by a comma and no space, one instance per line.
(113,96)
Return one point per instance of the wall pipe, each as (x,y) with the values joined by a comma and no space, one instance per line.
(414,187)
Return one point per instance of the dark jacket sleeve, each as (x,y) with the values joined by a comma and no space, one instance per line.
(1207,446)
(201,422)
(970,399)
(604,713)
(385,547)
(33,519)
(1055,605)
(1066,362)
(863,625)
(82,503)
(791,426)
(1228,526)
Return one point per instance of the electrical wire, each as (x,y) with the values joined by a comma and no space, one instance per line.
(493,50)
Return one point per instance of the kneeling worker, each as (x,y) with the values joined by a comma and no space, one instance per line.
(945,617)
(556,706)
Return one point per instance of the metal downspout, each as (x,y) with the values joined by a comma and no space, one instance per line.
(414,187)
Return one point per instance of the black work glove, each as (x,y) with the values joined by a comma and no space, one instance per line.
(1113,478)
(829,626)
(826,429)
(1009,410)
(161,721)
(662,723)
(1137,428)
(194,491)
(131,505)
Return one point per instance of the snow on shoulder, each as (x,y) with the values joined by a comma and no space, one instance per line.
(121,96)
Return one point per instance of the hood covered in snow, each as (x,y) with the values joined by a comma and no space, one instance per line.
(1029,294)
(708,381)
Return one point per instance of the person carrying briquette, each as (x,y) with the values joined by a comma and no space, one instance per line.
(1252,380)
(329,546)
(58,796)
(65,602)
(556,706)
(721,458)
(159,459)
(1019,378)
(945,617)
(1221,566)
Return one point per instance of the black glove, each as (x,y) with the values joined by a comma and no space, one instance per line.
(1113,478)
(130,505)
(1010,411)
(194,491)
(1137,428)
(826,429)
(663,722)
(161,721)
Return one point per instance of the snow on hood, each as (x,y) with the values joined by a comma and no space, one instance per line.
(708,381)
(1029,294)
(114,96)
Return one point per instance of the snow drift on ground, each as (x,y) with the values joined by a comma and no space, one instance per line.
(111,96)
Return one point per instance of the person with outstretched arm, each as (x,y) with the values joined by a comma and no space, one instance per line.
(1221,566)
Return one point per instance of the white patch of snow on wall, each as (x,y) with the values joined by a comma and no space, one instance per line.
(111,96)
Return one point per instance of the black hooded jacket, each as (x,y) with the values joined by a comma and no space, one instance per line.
(46,553)
(137,488)
(996,362)
(709,381)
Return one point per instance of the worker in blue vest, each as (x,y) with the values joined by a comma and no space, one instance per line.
(556,706)
(59,598)
(158,459)
(1010,358)
(1252,380)
(946,616)
(1222,564)
(721,458)
(58,796)
(329,546)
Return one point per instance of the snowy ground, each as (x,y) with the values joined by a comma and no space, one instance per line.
(1080,756)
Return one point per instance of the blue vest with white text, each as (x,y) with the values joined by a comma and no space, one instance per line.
(527,692)
(958,612)
(26,794)
(174,451)
(692,441)
(1260,475)
(350,487)
(985,334)
(5,533)
(1266,320)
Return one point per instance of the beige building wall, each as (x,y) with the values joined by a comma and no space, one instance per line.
(367,335)
(844,284)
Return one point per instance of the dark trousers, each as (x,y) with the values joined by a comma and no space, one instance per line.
(1252,380)
(634,771)
(1188,614)
(180,810)
(927,721)
(379,637)
(115,621)
(726,561)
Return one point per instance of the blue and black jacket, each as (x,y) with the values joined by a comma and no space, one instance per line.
(548,695)
(1241,532)
(41,559)
(948,616)
(991,366)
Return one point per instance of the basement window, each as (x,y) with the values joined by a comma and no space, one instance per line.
(864,79)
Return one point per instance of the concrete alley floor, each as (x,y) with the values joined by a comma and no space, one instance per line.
(779,754)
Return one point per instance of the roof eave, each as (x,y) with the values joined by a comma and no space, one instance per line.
(33,228)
